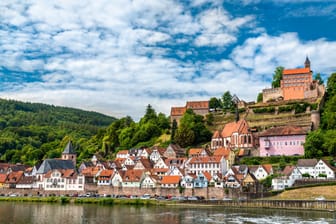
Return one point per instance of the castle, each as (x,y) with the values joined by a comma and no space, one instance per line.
(296,84)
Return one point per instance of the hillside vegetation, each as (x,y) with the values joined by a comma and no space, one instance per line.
(30,132)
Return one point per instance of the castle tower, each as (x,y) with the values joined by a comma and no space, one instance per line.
(307,63)
(315,119)
(69,153)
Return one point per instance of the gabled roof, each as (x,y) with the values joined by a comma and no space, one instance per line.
(65,173)
(177,111)
(132,175)
(26,180)
(222,152)
(3,178)
(205,159)
(170,179)
(268,168)
(197,105)
(307,162)
(14,177)
(90,171)
(295,71)
(69,149)
(207,175)
(283,131)
(55,164)
(288,170)
(122,152)
(240,126)
(195,151)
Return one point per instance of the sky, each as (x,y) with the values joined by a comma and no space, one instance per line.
(118,56)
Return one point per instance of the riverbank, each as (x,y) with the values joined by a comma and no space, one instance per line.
(324,205)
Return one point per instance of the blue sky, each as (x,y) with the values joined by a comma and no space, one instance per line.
(117,56)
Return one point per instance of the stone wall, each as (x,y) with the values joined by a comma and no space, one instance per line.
(271,94)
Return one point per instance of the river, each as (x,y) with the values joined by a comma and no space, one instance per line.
(26,213)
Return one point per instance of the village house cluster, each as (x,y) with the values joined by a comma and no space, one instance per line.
(156,167)
(176,168)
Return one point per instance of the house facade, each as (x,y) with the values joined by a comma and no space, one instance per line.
(234,135)
(287,141)
(210,164)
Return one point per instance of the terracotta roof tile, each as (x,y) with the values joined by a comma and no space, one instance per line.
(222,152)
(241,127)
(170,179)
(197,104)
(177,111)
(207,175)
(205,159)
(132,175)
(295,71)
(195,151)
(122,152)
(283,131)
(307,162)
(3,178)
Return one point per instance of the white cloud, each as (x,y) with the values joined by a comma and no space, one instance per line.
(218,29)
(116,56)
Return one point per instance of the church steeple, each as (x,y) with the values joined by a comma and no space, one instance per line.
(69,153)
(307,62)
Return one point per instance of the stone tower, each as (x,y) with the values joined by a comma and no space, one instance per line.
(69,153)
(307,63)
(315,119)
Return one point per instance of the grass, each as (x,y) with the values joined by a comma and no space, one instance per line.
(309,193)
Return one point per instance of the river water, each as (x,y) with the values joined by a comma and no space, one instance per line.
(25,213)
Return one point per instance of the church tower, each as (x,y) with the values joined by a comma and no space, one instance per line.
(307,63)
(69,153)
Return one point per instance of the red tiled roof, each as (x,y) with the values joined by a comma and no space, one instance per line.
(207,175)
(205,159)
(283,131)
(177,111)
(197,104)
(132,175)
(195,151)
(241,127)
(295,71)
(222,152)
(268,168)
(14,177)
(3,178)
(122,152)
(170,179)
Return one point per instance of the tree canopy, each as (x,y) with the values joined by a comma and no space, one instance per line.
(277,76)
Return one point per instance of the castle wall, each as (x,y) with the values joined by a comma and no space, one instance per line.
(271,94)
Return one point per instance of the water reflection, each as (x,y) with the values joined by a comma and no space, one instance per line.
(66,214)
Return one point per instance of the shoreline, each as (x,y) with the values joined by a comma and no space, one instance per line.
(307,205)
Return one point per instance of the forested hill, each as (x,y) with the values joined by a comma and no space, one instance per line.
(30,132)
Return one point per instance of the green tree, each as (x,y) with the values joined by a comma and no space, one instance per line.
(227,101)
(318,78)
(184,136)
(215,103)
(260,97)
(331,85)
(173,132)
(313,145)
(277,76)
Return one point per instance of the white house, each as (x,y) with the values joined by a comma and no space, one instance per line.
(187,181)
(160,164)
(261,171)
(132,178)
(324,169)
(105,178)
(211,164)
(62,180)
(287,178)
(149,181)
(116,179)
